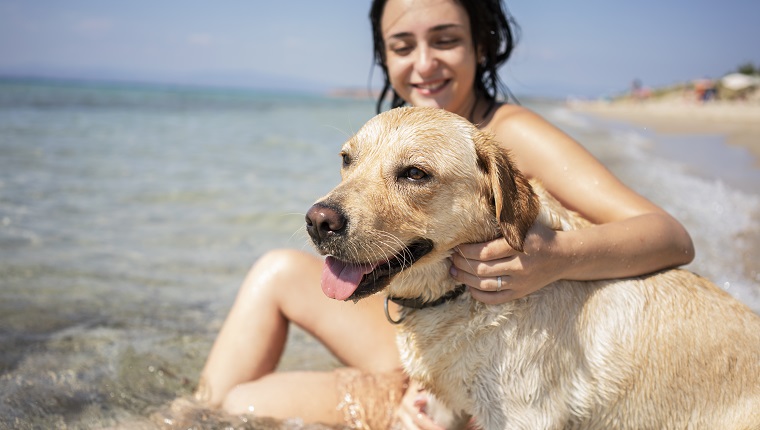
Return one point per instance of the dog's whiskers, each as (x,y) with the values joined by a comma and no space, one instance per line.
(469,264)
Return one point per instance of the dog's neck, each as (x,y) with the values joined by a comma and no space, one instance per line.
(426,281)
(425,286)
(419,303)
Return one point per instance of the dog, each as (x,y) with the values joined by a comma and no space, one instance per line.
(666,350)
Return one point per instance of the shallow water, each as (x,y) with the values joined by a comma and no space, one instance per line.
(129,215)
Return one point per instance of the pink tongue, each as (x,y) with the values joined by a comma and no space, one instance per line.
(340,280)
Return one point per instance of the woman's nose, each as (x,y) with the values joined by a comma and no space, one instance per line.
(426,61)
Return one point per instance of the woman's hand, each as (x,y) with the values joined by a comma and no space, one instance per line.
(412,412)
(480,265)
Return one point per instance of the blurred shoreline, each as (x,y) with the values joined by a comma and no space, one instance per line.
(738,121)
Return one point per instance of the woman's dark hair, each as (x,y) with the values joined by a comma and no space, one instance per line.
(492,34)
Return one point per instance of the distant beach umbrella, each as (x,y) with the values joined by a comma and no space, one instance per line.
(738,81)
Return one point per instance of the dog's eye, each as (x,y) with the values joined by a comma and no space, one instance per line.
(415,174)
(346,158)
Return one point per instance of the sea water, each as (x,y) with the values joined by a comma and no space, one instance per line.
(129,215)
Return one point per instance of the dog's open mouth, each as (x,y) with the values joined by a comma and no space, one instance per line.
(343,280)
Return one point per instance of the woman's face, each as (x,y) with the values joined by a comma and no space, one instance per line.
(429,53)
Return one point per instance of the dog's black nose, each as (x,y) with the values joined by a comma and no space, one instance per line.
(323,221)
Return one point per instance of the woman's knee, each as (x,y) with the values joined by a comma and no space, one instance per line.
(241,399)
(280,271)
(282,262)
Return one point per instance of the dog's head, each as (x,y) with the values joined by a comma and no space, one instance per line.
(416,182)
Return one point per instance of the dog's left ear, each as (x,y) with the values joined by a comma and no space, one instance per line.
(515,203)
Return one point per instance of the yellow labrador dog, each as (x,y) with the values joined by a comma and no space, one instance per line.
(667,350)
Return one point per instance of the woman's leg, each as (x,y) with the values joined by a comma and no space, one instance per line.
(310,396)
(283,286)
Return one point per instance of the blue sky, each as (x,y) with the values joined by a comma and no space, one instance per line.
(580,48)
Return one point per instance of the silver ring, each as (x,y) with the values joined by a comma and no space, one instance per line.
(498,284)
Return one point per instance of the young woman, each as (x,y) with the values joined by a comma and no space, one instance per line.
(441,53)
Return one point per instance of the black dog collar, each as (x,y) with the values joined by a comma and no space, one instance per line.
(417,303)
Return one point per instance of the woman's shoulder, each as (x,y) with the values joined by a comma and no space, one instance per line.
(533,141)
(508,119)
(507,114)
(504,110)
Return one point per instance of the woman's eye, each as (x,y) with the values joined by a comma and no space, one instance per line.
(447,43)
(400,48)
(415,174)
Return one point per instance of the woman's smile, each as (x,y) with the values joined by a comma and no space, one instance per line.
(432,87)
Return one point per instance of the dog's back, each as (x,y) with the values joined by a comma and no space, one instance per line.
(689,347)
(669,350)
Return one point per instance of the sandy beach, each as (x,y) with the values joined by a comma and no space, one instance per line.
(739,121)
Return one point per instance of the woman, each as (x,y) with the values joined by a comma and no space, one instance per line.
(441,53)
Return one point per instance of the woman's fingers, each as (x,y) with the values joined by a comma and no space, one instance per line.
(487,251)
(480,268)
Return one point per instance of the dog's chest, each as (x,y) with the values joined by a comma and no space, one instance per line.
(458,351)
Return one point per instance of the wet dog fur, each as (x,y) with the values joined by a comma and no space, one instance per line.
(666,350)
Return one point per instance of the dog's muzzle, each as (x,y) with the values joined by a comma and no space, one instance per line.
(344,277)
